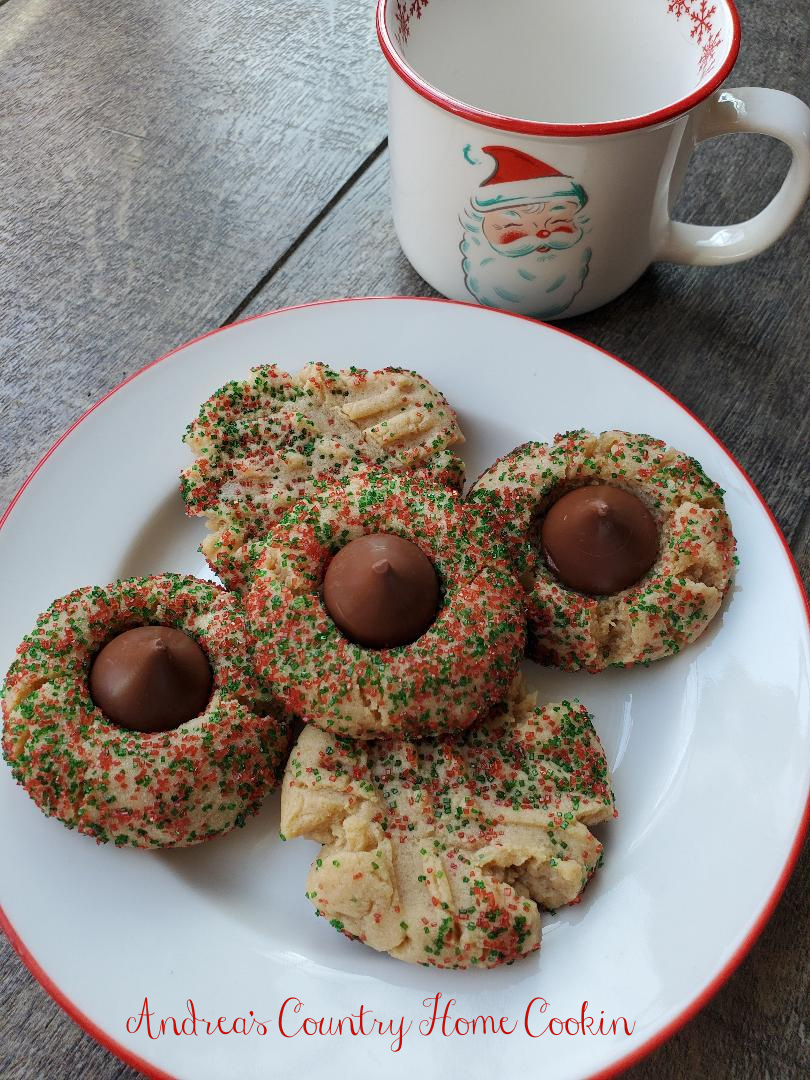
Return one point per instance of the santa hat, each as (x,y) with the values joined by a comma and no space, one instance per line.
(519,178)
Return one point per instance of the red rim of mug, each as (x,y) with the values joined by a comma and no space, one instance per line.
(731,965)
(534,127)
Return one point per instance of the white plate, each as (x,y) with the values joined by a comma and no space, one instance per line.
(709,750)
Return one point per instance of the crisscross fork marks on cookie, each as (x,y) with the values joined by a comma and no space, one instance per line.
(439,851)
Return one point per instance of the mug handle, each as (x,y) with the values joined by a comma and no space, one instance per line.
(767,112)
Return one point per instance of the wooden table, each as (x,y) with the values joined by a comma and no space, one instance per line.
(167,167)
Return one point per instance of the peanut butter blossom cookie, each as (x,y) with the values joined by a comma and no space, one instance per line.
(419,631)
(132,713)
(623,545)
(439,851)
(261,443)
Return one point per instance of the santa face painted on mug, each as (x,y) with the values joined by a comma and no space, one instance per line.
(534,227)
(521,246)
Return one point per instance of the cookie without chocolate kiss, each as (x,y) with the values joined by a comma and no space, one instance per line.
(441,851)
(262,444)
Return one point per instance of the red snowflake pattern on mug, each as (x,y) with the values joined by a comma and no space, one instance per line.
(707,55)
(701,16)
(403,14)
(403,23)
(679,7)
(700,13)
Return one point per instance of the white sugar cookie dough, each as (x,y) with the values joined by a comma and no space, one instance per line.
(262,442)
(671,605)
(164,789)
(458,670)
(440,851)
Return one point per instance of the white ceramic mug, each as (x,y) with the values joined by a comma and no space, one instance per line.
(537,150)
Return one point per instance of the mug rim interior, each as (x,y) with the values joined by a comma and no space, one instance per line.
(520,126)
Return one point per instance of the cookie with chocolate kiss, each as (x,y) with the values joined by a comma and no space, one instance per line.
(382,591)
(599,539)
(606,584)
(350,632)
(133,713)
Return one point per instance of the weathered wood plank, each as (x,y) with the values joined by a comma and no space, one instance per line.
(155,160)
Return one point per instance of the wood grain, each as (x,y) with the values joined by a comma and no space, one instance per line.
(164,165)
(157,158)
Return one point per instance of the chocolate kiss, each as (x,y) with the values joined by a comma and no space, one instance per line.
(151,678)
(599,539)
(381,591)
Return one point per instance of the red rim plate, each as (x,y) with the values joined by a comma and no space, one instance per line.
(646,1048)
